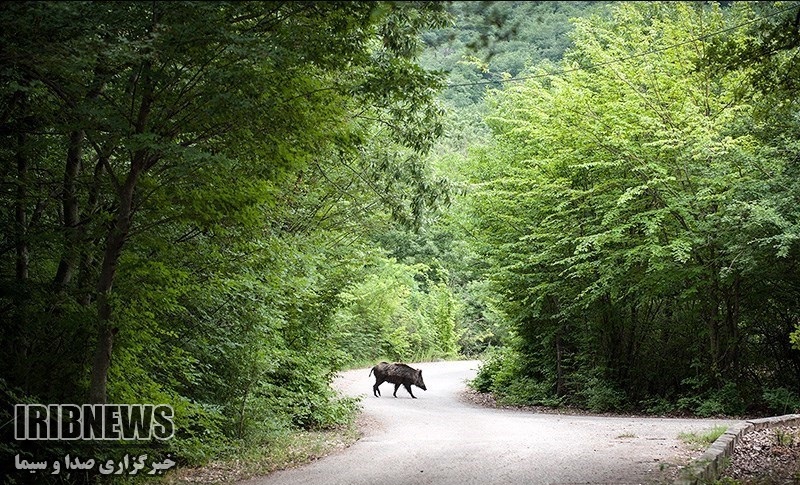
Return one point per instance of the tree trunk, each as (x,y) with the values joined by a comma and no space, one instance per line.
(559,367)
(114,243)
(101,364)
(66,266)
(15,346)
(20,214)
(712,319)
(732,321)
(87,266)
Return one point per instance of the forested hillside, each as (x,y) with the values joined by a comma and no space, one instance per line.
(219,205)
(632,214)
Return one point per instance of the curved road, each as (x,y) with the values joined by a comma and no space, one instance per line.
(441,439)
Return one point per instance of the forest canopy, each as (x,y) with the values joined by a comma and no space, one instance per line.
(219,205)
(189,196)
(636,207)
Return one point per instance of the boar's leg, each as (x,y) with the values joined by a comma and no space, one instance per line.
(375,389)
(396,387)
(408,388)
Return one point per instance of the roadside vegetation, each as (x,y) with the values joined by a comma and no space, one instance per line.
(219,205)
(285,450)
(631,211)
(196,199)
(701,441)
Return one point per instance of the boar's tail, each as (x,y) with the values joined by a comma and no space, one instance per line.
(370,371)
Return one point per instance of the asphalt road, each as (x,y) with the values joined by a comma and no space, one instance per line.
(440,438)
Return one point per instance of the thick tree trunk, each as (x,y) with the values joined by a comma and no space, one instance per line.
(114,244)
(101,364)
(69,258)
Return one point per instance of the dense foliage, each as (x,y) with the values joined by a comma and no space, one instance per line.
(637,207)
(190,192)
(486,44)
(218,205)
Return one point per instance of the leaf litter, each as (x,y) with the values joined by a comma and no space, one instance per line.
(768,456)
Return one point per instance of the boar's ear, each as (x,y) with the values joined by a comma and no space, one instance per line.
(419,371)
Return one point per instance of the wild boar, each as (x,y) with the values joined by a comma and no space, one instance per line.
(397,374)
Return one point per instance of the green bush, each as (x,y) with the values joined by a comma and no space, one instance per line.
(781,400)
(525,391)
(492,360)
(658,405)
(726,400)
(597,394)
(502,373)
(500,369)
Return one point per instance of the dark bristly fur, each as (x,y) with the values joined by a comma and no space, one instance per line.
(397,374)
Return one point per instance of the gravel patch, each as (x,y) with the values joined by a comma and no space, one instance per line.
(664,472)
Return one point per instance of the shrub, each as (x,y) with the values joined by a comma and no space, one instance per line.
(781,400)
(597,394)
(502,373)
(492,361)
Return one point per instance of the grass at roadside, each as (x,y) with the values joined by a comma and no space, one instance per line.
(285,451)
(704,439)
